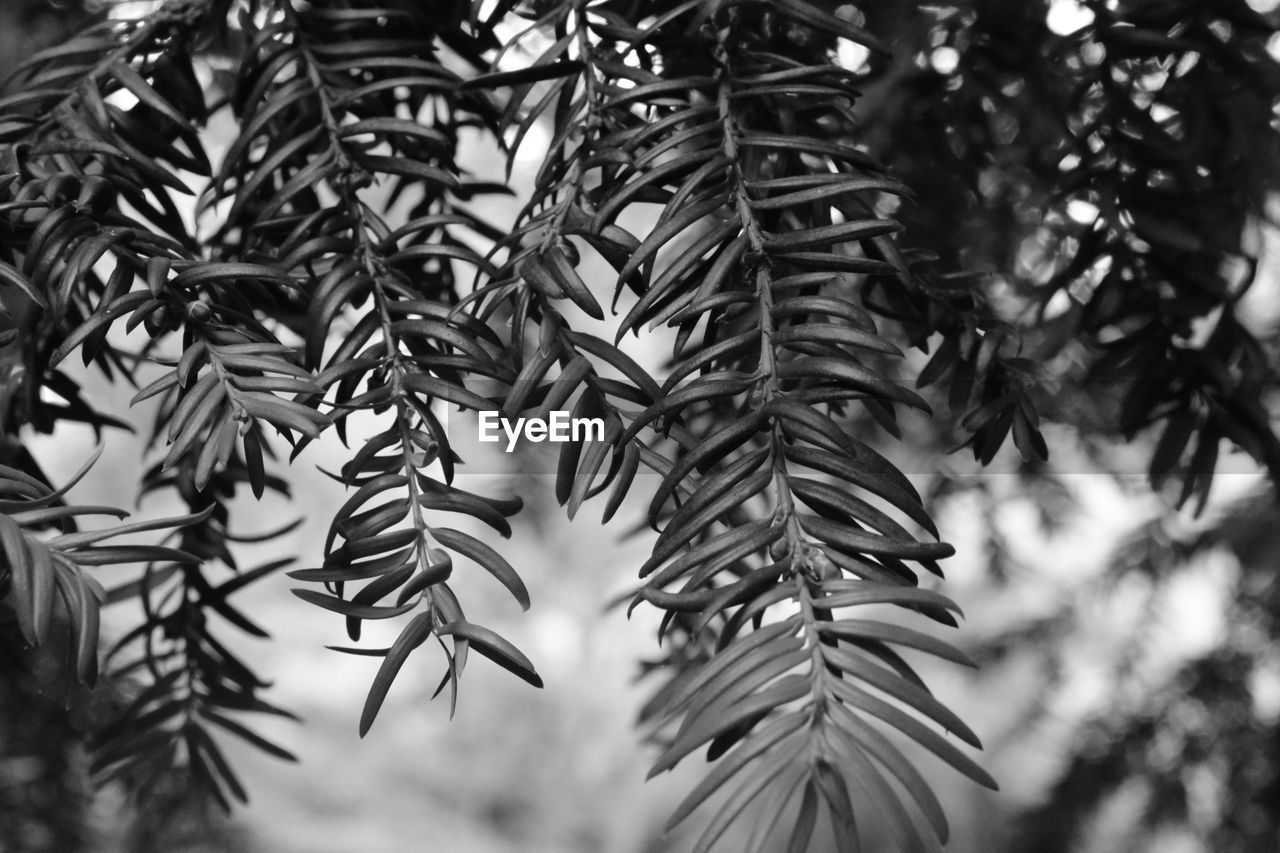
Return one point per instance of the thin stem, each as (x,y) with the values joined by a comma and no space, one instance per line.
(371,259)
(768,385)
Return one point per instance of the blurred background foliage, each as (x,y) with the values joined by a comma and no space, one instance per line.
(1130,648)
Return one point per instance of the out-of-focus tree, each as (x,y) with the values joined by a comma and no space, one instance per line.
(29,25)
(1030,212)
